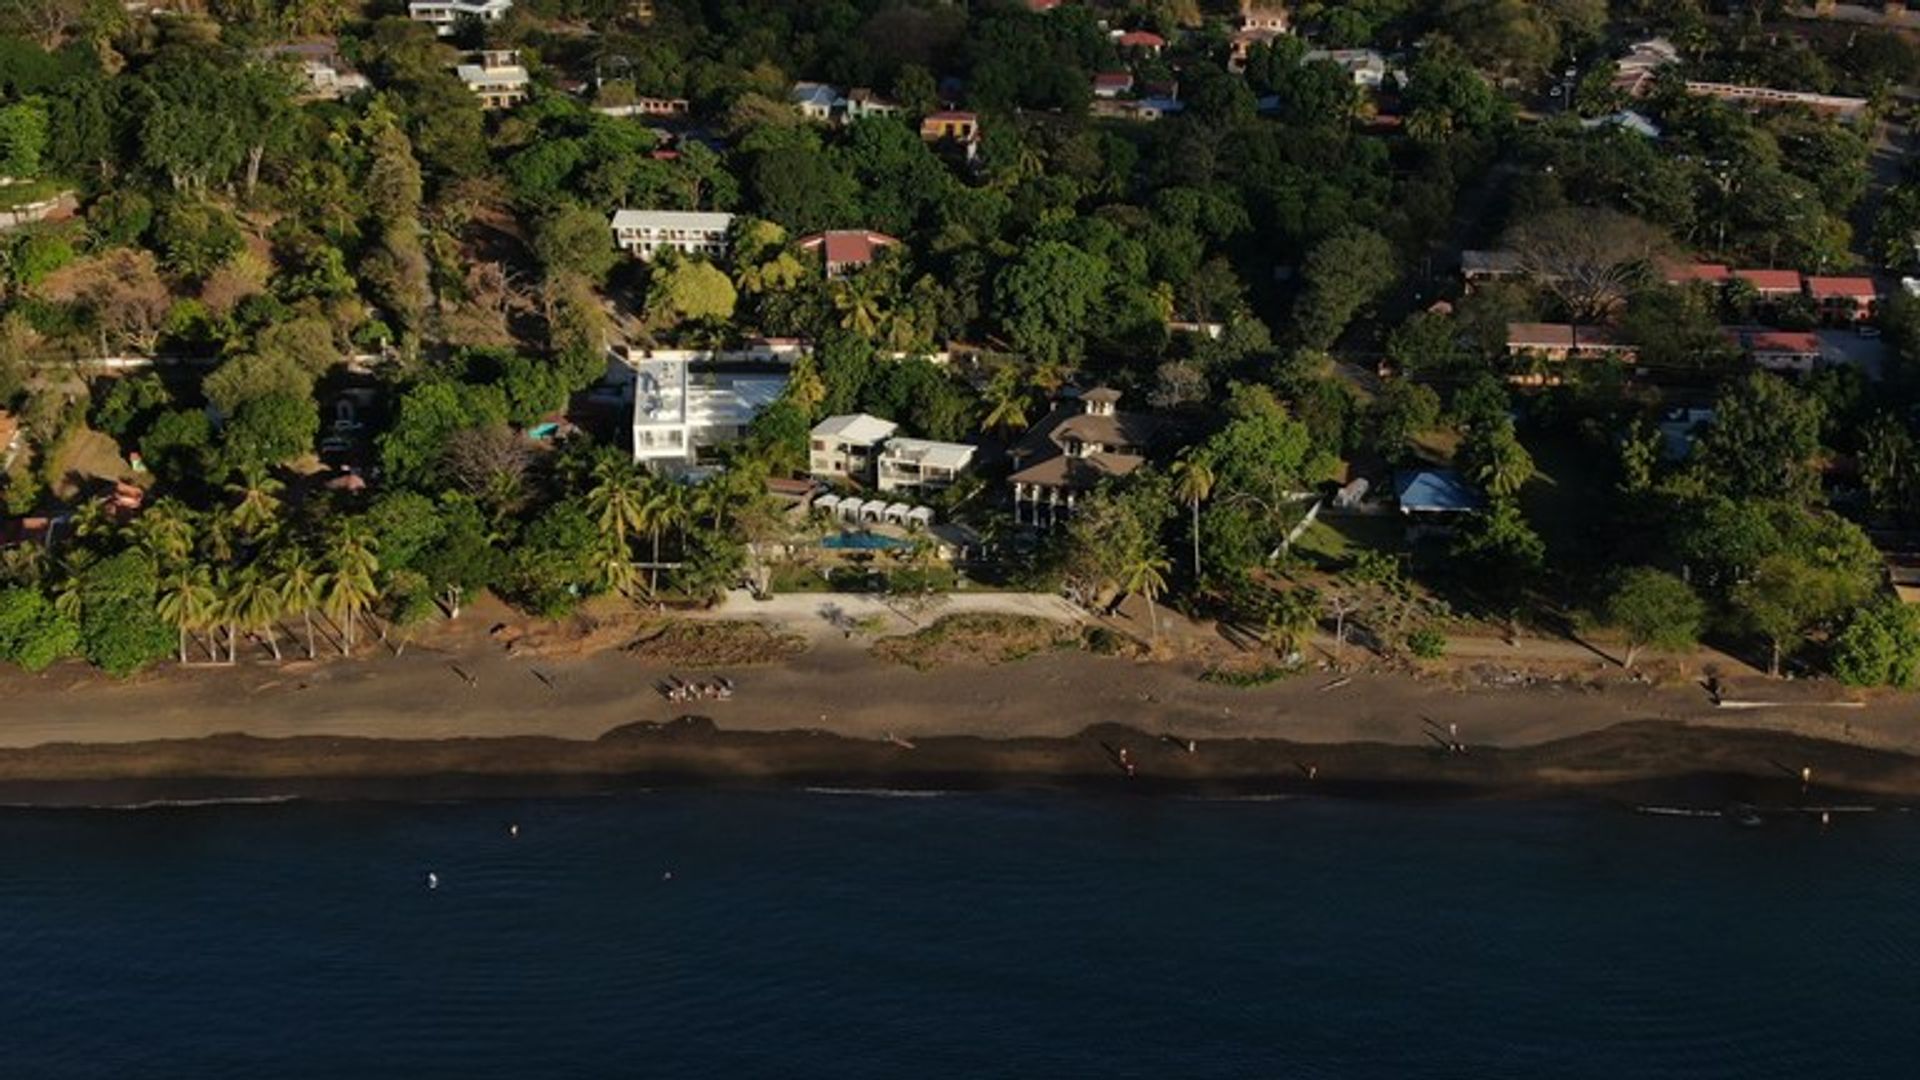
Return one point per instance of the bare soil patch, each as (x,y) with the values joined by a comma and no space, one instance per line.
(720,643)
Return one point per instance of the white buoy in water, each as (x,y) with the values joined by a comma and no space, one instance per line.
(513,831)
(433,880)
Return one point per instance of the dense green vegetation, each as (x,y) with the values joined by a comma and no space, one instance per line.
(450,270)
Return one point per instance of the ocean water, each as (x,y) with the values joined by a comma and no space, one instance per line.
(845,935)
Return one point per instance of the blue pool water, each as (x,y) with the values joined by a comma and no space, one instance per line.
(863,541)
(848,935)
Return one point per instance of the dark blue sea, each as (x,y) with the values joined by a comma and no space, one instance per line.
(841,935)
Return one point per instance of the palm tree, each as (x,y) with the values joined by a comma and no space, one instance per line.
(185,601)
(618,496)
(613,561)
(350,587)
(257,602)
(165,533)
(1193,485)
(666,507)
(1006,403)
(300,584)
(222,615)
(861,302)
(1146,575)
(257,510)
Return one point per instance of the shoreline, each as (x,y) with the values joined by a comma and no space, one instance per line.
(488,706)
(1631,764)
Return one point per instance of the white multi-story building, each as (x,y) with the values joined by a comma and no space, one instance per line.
(445,15)
(496,78)
(846,446)
(643,232)
(921,464)
(678,411)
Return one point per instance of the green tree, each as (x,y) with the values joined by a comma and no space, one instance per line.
(1654,608)
(1879,646)
(1342,275)
(1193,485)
(1785,598)
(1047,298)
(575,240)
(1763,441)
(683,290)
(23,138)
(33,635)
(1492,457)
(351,580)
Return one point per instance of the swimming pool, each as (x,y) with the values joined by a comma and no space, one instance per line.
(864,541)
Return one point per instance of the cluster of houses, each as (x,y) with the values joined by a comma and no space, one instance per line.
(445,16)
(825,104)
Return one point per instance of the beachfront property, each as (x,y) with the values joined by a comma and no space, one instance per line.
(679,411)
(845,251)
(648,106)
(641,233)
(847,447)
(496,78)
(1086,439)
(1479,266)
(922,465)
(445,15)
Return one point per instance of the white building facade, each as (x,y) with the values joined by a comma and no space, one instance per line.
(641,233)
(677,411)
(445,15)
(921,465)
(845,447)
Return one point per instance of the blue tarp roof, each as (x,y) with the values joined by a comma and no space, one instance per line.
(1434,490)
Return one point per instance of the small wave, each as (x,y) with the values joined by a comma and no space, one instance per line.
(878,793)
(1676,811)
(1269,797)
(166,804)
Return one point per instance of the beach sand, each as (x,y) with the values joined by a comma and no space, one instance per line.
(461,713)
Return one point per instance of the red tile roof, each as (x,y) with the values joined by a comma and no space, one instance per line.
(1112,80)
(1680,272)
(1771,281)
(1851,288)
(1141,39)
(847,246)
(1784,341)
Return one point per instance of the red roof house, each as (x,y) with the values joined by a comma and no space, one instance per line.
(1141,39)
(1111,84)
(1771,283)
(1846,299)
(846,250)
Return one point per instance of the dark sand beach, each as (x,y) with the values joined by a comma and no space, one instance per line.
(462,715)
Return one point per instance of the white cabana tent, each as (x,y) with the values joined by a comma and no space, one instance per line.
(896,513)
(873,510)
(829,503)
(850,509)
(921,516)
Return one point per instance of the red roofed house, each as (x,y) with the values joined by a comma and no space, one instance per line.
(1778,350)
(1843,299)
(1144,40)
(1042,5)
(1559,342)
(1771,284)
(1111,84)
(1681,273)
(846,250)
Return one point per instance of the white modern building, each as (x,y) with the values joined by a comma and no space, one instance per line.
(678,411)
(921,464)
(846,446)
(642,232)
(496,78)
(445,15)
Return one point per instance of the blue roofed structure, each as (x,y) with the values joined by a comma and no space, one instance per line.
(1435,491)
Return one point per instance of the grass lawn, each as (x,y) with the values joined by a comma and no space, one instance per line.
(1335,539)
